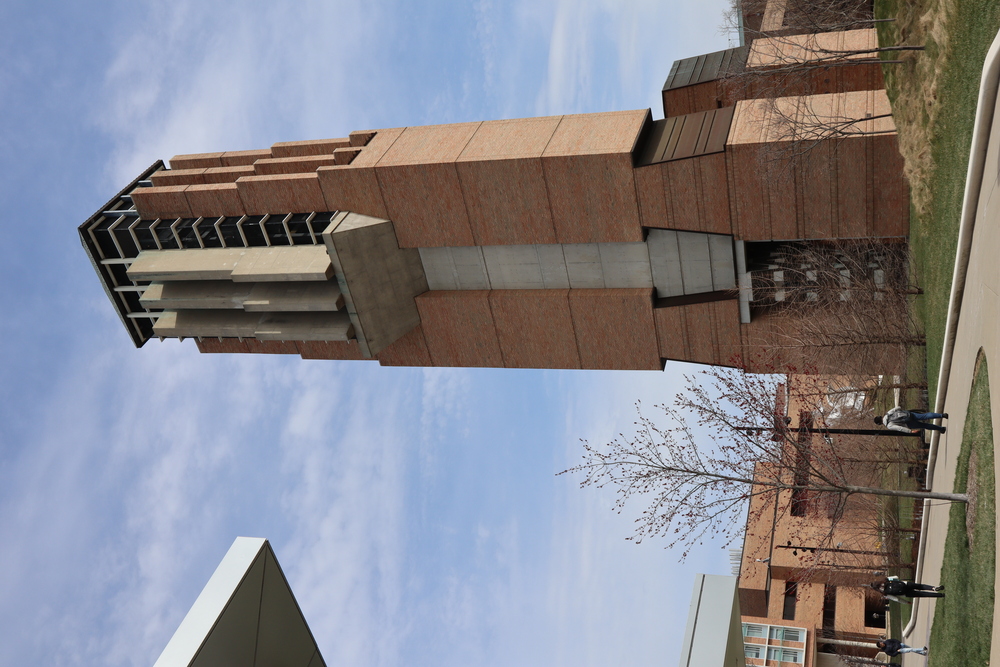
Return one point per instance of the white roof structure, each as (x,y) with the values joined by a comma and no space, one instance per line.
(245,616)
(714,634)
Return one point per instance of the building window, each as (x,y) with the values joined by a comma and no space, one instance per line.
(791,594)
(786,634)
(784,654)
(830,608)
(752,630)
(751,651)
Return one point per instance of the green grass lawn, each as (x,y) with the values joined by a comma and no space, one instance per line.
(963,621)
(933,95)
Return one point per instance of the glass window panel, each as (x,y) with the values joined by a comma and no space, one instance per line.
(276,230)
(208,233)
(752,630)
(230,232)
(166,235)
(786,634)
(784,654)
(253,231)
(751,651)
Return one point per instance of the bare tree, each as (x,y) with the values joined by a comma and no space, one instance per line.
(699,471)
(840,307)
(791,57)
(793,17)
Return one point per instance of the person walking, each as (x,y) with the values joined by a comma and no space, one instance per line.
(894,647)
(910,421)
(890,587)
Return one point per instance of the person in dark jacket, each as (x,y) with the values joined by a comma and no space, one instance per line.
(894,647)
(893,586)
(909,421)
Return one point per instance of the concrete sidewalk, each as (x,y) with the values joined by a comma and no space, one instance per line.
(973,325)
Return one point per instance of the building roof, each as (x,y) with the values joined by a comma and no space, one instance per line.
(714,634)
(245,615)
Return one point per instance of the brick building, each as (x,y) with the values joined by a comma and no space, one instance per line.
(602,241)
(808,557)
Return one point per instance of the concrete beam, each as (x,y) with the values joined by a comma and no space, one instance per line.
(295,297)
(250,265)
(208,323)
(197,294)
(305,326)
(284,263)
(200,264)
(252,297)
(377,278)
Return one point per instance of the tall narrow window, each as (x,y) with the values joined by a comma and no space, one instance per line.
(791,594)
(830,608)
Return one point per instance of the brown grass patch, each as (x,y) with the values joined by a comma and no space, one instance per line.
(918,79)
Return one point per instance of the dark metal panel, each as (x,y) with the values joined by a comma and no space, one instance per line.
(674,126)
(706,131)
(735,61)
(690,135)
(680,73)
(720,130)
(699,69)
(708,67)
(675,135)
(687,142)
(669,83)
(655,141)
(710,71)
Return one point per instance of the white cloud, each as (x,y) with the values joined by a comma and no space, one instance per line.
(628,44)
(346,508)
(233,75)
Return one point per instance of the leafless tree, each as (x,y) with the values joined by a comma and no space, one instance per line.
(791,57)
(839,307)
(723,446)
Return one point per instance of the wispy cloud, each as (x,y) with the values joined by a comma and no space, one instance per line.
(631,44)
(233,75)
(347,515)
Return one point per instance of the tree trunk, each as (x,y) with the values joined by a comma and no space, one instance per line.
(874,491)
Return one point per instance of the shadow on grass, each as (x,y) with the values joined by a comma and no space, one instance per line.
(963,621)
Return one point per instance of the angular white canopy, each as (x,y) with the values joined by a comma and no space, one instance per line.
(246,616)
(714,634)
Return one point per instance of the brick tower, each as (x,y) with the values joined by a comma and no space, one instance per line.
(606,241)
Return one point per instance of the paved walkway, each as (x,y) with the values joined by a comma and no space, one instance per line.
(977,328)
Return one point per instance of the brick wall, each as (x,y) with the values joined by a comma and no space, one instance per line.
(535,328)
(410,349)
(690,194)
(615,328)
(561,179)
(605,329)
(459,329)
(835,188)
(707,333)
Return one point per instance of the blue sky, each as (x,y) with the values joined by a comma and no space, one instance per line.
(415,511)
